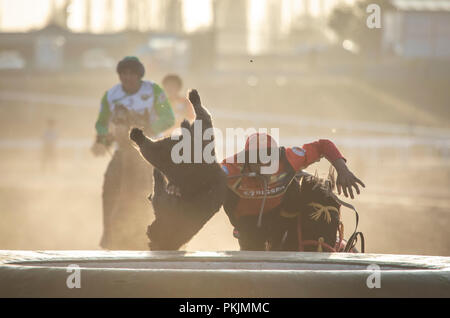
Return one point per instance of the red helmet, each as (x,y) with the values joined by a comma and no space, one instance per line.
(260,141)
(257,142)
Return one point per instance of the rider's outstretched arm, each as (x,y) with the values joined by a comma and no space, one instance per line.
(300,158)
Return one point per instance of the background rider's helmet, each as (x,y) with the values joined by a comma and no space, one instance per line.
(173,78)
(131,63)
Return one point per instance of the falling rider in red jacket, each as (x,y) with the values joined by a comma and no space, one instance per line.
(254,200)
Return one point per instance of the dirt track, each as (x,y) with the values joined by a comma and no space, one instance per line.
(404,209)
(62,210)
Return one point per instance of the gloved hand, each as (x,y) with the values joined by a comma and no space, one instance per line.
(346,179)
(101,144)
(98,149)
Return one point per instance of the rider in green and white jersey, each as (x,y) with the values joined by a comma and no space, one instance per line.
(141,97)
(137,95)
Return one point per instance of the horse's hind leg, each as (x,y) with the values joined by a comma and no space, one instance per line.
(201,113)
(109,199)
(160,195)
(159,181)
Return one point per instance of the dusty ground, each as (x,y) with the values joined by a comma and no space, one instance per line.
(405,208)
(61,209)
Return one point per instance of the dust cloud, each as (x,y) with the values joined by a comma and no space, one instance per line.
(404,209)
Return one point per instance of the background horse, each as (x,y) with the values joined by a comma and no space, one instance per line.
(128,181)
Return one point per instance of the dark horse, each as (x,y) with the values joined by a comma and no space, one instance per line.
(201,187)
(309,219)
(127,182)
(315,214)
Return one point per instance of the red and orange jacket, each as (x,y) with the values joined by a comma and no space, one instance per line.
(246,193)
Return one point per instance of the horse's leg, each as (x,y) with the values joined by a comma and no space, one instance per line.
(119,212)
(157,153)
(134,210)
(160,183)
(142,208)
(127,206)
(109,199)
(201,113)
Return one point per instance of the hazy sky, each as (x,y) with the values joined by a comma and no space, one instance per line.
(22,15)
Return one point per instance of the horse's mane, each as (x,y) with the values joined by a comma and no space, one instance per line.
(327,184)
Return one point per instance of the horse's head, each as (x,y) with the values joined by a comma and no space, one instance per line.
(123,119)
(313,187)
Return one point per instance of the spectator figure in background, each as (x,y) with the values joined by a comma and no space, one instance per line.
(182,107)
(49,140)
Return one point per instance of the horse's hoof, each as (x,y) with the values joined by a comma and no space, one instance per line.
(194,97)
(137,135)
